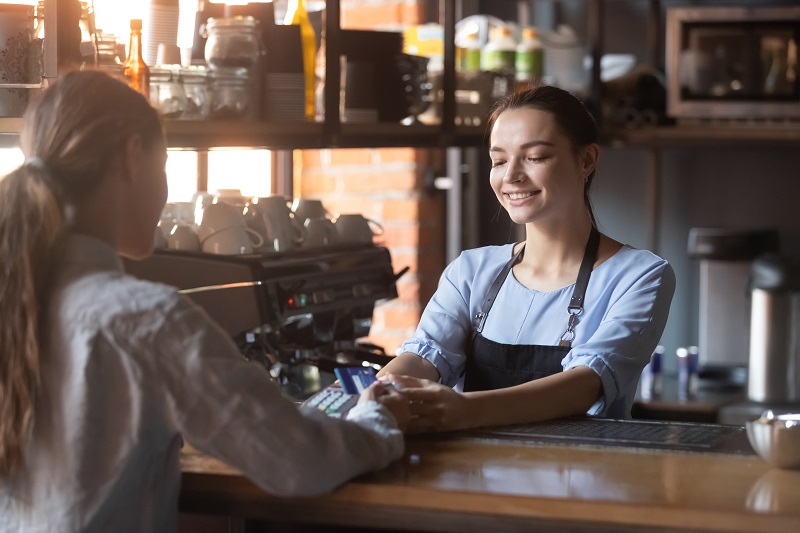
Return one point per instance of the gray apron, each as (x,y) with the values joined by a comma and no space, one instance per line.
(492,365)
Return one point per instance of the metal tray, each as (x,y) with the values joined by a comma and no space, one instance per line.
(656,435)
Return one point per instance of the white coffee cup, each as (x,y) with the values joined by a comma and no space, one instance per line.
(355,228)
(307,208)
(230,196)
(233,240)
(160,240)
(177,213)
(319,232)
(183,237)
(217,217)
(272,218)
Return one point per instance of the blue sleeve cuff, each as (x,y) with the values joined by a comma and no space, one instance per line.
(449,366)
(607,379)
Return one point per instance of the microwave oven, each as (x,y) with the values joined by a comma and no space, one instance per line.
(733,63)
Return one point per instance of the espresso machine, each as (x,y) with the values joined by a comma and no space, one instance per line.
(300,312)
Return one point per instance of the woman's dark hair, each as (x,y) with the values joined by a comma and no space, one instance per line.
(571,116)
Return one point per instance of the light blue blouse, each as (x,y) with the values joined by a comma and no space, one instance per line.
(625,311)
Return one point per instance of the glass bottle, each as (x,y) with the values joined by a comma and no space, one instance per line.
(297,13)
(136,72)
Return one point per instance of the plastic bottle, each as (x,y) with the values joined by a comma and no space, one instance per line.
(136,72)
(529,59)
(500,52)
(470,54)
(297,13)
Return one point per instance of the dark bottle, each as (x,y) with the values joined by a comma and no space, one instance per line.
(134,69)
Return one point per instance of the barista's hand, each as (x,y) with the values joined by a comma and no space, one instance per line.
(434,407)
(388,396)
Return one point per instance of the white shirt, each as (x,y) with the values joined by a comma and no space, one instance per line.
(624,313)
(128,367)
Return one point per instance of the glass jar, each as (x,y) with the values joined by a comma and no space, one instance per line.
(108,59)
(166,92)
(232,43)
(229,94)
(195,85)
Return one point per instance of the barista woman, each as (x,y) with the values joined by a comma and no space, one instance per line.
(103,375)
(561,324)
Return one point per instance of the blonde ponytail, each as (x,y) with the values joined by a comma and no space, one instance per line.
(31,224)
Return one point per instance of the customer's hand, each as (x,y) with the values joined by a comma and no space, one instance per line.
(388,396)
(434,407)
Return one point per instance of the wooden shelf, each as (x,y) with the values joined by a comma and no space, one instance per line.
(287,136)
(706,136)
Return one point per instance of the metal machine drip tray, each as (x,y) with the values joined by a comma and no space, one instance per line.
(670,436)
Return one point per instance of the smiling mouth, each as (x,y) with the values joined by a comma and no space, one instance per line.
(520,195)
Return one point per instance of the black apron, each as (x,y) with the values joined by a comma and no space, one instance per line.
(492,365)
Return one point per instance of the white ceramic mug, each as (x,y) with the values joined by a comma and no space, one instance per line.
(230,196)
(307,208)
(217,217)
(355,228)
(160,239)
(319,232)
(272,218)
(233,240)
(183,237)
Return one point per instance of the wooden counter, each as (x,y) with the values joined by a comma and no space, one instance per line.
(467,482)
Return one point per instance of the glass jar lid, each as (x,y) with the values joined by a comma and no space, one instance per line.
(194,74)
(237,23)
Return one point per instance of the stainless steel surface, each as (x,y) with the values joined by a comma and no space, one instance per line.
(774,367)
(776,438)
(646,434)
(723,331)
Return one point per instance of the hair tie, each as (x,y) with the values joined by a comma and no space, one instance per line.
(44,174)
(36,162)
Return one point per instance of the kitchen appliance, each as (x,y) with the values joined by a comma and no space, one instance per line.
(725,258)
(774,367)
(738,63)
(301,312)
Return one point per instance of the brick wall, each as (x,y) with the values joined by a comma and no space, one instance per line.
(386,185)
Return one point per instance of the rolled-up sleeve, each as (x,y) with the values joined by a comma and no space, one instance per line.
(231,409)
(621,345)
(444,326)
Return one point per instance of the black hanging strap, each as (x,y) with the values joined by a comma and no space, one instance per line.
(589,257)
(480,318)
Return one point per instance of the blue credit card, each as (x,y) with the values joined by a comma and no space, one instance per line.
(355,379)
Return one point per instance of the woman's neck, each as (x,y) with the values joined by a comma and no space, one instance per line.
(555,251)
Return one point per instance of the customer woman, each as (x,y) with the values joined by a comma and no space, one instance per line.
(560,324)
(102,376)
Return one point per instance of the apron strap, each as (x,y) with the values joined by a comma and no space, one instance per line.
(575,306)
(578,294)
(480,318)
(589,257)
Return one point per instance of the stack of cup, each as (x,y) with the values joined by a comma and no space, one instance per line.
(223,230)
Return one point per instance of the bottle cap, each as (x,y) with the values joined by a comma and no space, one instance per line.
(136,24)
